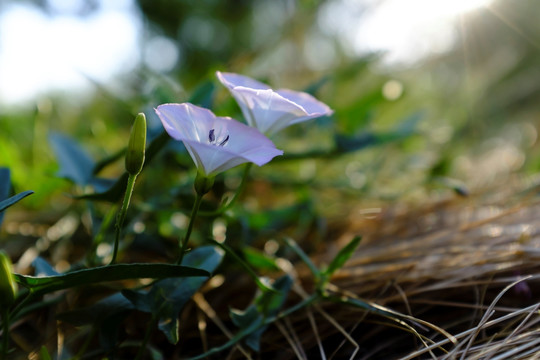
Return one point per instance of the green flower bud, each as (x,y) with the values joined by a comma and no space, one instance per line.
(136,146)
(8,287)
(203,184)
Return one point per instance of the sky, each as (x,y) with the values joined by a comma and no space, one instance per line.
(41,52)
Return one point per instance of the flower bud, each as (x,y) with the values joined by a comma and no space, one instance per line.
(136,146)
(203,184)
(8,287)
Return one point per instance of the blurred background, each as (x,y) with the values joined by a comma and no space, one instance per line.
(430,96)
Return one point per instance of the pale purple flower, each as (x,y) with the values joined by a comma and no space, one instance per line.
(269,110)
(215,143)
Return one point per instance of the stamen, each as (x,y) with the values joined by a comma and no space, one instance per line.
(224,141)
(213,140)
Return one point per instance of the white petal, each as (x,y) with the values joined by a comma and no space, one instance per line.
(269,110)
(231,143)
(232,80)
(308,102)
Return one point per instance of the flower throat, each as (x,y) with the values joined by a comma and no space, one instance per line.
(212,139)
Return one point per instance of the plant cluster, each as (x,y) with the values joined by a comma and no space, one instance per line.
(216,144)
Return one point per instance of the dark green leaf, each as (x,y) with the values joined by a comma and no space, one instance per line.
(101,164)
(113,194)
(342,256)
(266,304)
(115,272)
(167,297)
(14,199)
(98,312)
(5,187)
(106,315)
(75,164)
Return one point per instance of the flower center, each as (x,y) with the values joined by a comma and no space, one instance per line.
(214,141)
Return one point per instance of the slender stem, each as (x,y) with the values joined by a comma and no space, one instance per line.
(151,326)
(236,195)
(5,337)
(122,214)
(98,239)
(194,212)
(86,343)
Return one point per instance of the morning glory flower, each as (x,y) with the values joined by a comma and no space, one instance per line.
(269,110)
(215,143)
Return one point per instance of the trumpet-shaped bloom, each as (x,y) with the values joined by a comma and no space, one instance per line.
(269,110)
(215,143)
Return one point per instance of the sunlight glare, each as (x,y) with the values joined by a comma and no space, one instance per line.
(39,52)
(405,31)
(413,29)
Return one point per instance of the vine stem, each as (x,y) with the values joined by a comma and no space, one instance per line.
(122,214)
(236,195)
(194,211)
(148,333)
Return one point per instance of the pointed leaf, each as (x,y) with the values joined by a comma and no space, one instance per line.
(113,194)
(343,255)
(14,199)
(168,297)
(5,187)
(43,268)
(75,163)
(115,272)
(98,312)
(267,304)
(304,257)
(258,259)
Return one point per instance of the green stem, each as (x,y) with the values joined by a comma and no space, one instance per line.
(151,326)
(122,214)
(84,347)
(194,212)
(235,197)
(98,239)
(5,337)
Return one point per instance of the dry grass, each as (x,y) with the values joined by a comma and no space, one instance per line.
(468,266)
(462,273)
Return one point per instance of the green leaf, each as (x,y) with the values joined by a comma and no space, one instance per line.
(46,284)
(75,163)
(44,353)
(342,256)
(106,315)
(14,199)
(260,284)
(258,259)
(116,191)
(112,194)
(5,187)
(43,268)
(266,304)
(98,312)
(167,297)
(405,129)
(304,257)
